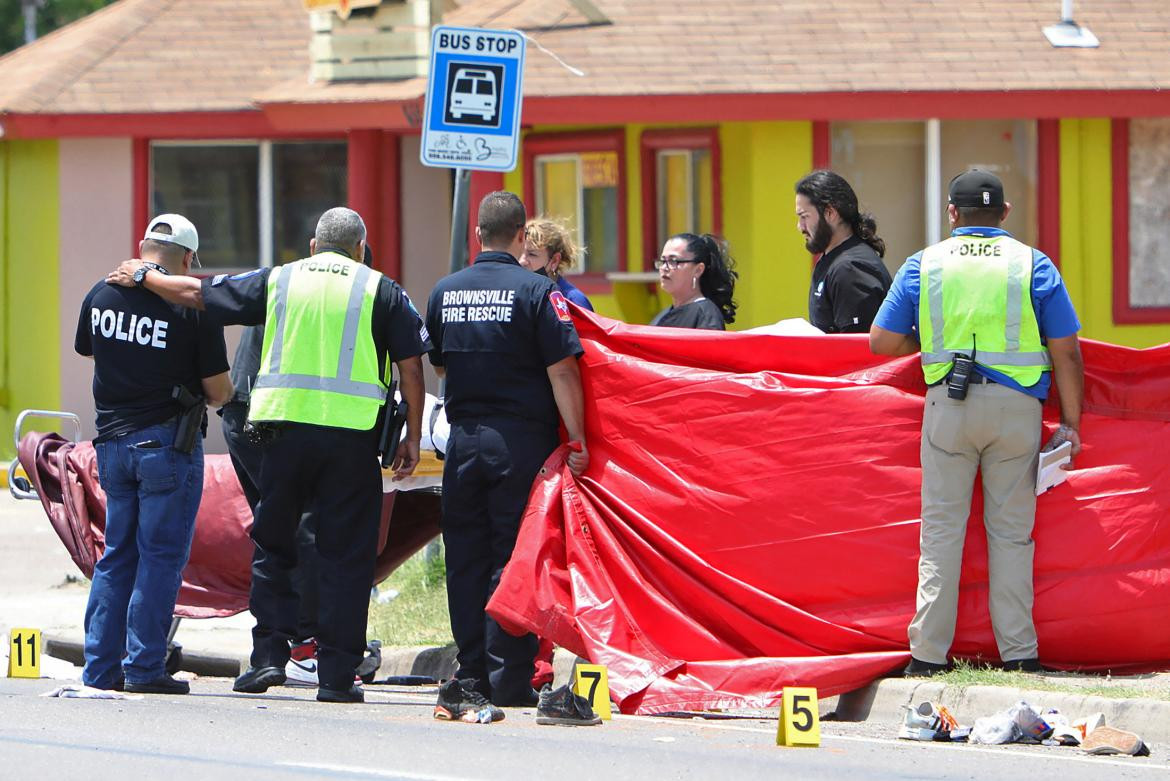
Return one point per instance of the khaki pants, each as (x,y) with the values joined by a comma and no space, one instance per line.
(996,430)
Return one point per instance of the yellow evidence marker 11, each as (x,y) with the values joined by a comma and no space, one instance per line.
(24,653)
(591,681)
(800,724)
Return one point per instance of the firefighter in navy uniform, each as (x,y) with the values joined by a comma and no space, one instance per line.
(143,348)
(503,338)
(331,327)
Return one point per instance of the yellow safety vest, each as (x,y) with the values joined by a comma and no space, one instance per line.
(975,298)
(319,363)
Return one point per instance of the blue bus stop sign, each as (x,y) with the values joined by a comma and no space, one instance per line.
(472,115)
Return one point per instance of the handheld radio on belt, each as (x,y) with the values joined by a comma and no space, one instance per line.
(394,418)
(960,375)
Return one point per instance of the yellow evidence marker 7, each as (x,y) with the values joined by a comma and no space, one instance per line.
(591,681)
(800,724)
(24,653)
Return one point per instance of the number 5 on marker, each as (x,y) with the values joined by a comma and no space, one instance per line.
(24,653)
(799,723)
(592,682)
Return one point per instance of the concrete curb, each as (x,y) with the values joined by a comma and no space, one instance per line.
(883,701)
(880,702)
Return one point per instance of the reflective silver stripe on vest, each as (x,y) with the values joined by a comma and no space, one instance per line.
(282,282)
(365,390)
(935,293)
(353,316)
(993,359)
(1015,303)
(343,382)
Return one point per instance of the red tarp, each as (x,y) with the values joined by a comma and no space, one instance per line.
(219,571)
(749,520)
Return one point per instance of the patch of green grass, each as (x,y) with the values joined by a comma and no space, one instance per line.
(965,674)
(418,615)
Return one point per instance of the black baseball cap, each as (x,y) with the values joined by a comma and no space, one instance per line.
(976,188)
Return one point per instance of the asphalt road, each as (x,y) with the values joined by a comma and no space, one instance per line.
(286,734)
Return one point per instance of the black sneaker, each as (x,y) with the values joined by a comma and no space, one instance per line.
(256,680)
(462,703)
(353,694)
(1029,665)
(562,706)
(920,669)
(164,684)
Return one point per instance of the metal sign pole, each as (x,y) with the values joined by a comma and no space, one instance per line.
(460,208)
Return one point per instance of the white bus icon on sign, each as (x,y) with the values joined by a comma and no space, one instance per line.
(475,94)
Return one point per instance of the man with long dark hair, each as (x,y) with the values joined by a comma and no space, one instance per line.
(849,280)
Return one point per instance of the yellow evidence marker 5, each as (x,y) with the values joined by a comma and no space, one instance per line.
(591,681)
(800,724)
(24,653)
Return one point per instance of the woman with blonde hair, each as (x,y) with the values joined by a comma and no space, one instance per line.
(549,250)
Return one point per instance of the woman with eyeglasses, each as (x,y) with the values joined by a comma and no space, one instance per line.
(698,274)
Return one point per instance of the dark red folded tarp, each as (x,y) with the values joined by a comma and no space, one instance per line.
(749,520)
(218,573)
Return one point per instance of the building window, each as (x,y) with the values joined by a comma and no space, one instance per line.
(579,179)
(680,185)
(253,202)
(1141,216)
(901,171)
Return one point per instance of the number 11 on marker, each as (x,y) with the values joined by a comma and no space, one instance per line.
(24,653)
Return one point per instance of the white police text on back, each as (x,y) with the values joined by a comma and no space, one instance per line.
(140,330)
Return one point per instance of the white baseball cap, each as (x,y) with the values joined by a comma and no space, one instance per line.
(182,232)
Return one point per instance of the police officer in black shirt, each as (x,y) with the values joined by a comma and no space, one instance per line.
(849,280)
(143,348)
(331,326)
(505,341)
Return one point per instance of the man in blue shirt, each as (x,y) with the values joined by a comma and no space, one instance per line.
(971,313)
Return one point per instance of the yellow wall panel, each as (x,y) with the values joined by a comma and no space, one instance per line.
(29,306)
(1086,233)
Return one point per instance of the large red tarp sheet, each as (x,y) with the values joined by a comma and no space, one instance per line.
(750,518)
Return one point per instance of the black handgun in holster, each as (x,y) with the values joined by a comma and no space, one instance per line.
(393,419)
(192,418)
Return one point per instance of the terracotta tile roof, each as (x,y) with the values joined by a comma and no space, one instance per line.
(159,56)
(233,54)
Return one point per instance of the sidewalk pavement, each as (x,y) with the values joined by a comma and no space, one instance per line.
(40,587)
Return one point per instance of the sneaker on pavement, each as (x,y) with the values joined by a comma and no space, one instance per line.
(164,684)
(301,669)
(463,703)
(1110,740)
(563,706)
(926,721)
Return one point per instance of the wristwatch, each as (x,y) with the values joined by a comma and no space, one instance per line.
(140,276)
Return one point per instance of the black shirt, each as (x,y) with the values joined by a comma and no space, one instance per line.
(246,364)
(242,299)
(700,313)
(497,327)
(849,283)
(142,347)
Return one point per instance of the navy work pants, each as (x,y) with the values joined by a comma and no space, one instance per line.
(335,473)
(487,476)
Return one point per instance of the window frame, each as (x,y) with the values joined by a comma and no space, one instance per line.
(576,143)
(1124,313)
(686,139)
(266,183)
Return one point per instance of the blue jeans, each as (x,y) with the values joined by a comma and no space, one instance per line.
(152,495)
